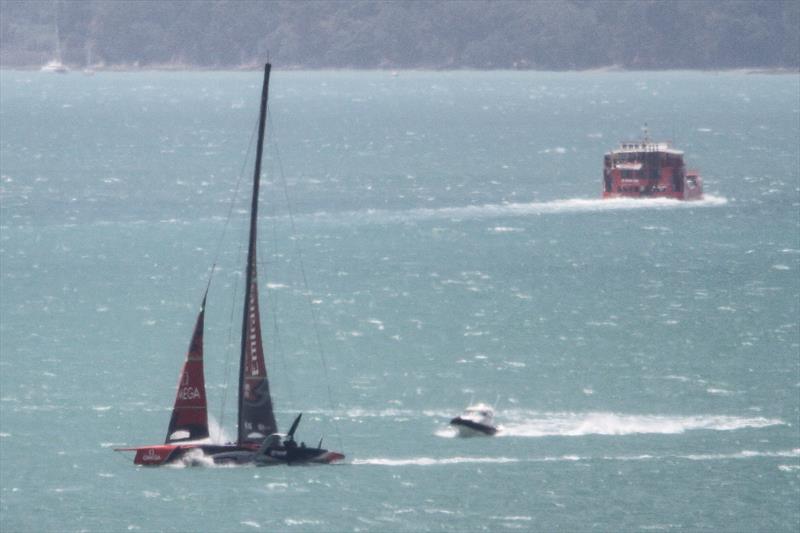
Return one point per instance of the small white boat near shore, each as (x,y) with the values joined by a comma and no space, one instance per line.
(55,66)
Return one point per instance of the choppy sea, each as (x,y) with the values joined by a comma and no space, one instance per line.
(427,240)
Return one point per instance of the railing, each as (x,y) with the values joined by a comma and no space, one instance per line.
(645,147)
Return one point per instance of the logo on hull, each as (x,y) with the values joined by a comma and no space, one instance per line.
(151,456)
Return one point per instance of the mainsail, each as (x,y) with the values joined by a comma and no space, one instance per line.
(190,414)
(256,418)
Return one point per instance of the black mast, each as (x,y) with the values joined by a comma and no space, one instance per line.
(251,249)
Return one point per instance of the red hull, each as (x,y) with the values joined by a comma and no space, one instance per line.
(649,170)
(165,454)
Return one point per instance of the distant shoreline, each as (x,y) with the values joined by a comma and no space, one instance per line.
(252,68)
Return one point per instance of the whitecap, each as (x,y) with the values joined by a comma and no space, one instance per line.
(432,461)
(439,511)
(683,379)
(609,323)
(300,522)
(718,392)
(744,454)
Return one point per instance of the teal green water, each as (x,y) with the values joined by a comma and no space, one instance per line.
(642,357)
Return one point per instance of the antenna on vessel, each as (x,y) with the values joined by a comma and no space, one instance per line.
(646,135)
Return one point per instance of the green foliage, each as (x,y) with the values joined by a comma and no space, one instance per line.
(493,34)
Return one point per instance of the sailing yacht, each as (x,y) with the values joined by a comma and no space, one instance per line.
(56,64)
(258,441)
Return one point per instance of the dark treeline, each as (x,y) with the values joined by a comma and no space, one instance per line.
(482,34)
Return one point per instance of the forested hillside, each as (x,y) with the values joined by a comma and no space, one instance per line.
(482,34)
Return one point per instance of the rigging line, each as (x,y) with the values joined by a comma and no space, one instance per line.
(229,344)
(272,296)
(228,348)
(233,201)
(278,350)
(298,250)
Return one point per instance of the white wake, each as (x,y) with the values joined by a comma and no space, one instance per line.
(600,423)
(444,461)
(431,461)
(485,211)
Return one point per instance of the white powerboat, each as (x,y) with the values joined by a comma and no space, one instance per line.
(476,420)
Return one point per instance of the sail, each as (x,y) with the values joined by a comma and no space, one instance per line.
(190,414)
(256,418)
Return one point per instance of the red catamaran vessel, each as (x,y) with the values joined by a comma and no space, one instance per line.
(258,441)
(647,169)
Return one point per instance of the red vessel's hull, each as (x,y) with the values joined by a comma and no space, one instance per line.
(649,170)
